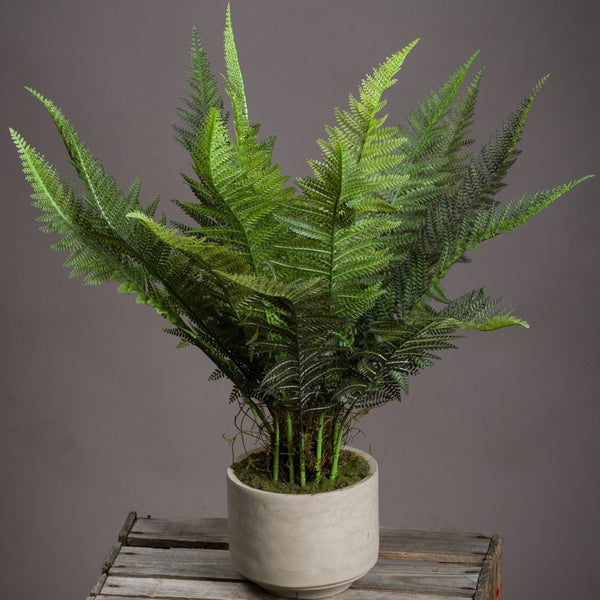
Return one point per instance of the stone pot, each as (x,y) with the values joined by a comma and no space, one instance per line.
(304,545)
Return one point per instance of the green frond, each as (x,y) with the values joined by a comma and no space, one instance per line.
(402,350)
(235,81)
(474,204)
(237,187)
(291,331)
(209,256)
(67,214)
(106,245)
(360,132)
(517,212)
(231,200)
(474,310)
(301,291)
(102,195)
(428,125)
(485,175)
(496,322)
(201,96)
(255,155)
(459,140)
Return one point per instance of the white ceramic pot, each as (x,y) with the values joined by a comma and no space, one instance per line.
(304,545)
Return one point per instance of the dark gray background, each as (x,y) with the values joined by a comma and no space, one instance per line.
(100,414)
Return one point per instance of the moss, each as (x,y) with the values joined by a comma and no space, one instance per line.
(254,472)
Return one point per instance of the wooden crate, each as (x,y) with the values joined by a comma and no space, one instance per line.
(188,559)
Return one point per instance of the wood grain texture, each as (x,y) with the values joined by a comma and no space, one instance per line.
(179,533)
(129,521)
(464,547)
(180,563)
(490,578)
(188,559)
(193,589)
(111,556)
(191,563)
(99,585)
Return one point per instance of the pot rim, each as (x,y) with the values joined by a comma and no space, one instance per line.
(373,470)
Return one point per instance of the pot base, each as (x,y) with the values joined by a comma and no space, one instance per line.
(306,593)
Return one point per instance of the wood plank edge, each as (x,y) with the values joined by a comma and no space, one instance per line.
(111,556)
(97,589)
(499,566)
(129,521)
(459,559)
(489,582)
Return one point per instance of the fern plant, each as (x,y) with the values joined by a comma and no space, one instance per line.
(317,300)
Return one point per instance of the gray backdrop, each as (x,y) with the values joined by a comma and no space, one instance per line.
(100,414)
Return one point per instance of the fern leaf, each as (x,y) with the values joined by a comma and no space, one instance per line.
(518,212)
(237,187)
(486,173)
(429,125)
(234,203)
(209,256)
(361,133)
(235,80)
(474,310)
(201,96)
(105,245)
(495,322)
(65,213)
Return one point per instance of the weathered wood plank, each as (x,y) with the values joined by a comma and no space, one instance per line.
(183,589)
(129,521)
(421,577)
(186,589)
(490,579)
(463,547)
(111,556)
(183,533)
(187,563)
(98,585)
(443,546)
(177,563)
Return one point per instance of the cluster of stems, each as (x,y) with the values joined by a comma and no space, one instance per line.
(305,446)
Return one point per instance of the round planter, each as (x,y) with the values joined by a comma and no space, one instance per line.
(304,545)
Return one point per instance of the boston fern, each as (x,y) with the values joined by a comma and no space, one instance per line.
(318,301)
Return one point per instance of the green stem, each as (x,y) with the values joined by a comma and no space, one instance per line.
(319,448)
(334,433)
(338,432)
(302,458)
(290,445)
(276,443)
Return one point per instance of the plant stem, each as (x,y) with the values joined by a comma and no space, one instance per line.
(302,460)
(337,446)
(276,449)
(319,448)
(290,445)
